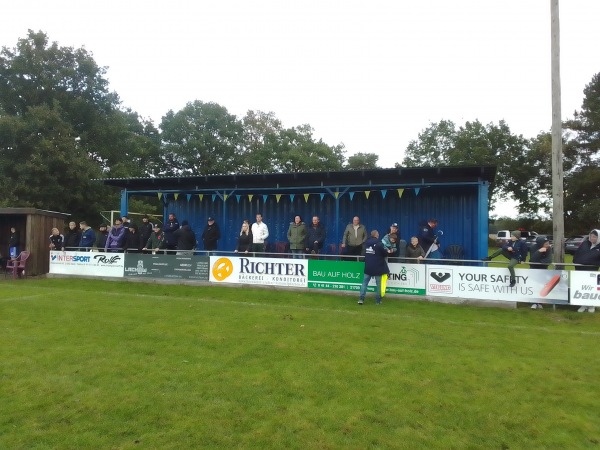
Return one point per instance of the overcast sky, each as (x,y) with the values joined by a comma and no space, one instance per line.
(371,75)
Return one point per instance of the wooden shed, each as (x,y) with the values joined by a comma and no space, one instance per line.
(34,227)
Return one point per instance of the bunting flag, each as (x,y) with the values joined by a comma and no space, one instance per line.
(225,196)
(265,197)
(336,194)
(277,196)
(417,190)
(306,197)
(189,196)
(383,193)
(176,196)
(160,195)
(292,197)
(367,193)
(351,196)
(400,192)
(213,197)
(238,198)
(250,197)
(201,197)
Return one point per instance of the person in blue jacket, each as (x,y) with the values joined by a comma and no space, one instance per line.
(515,250)
(375,266)
(88,237)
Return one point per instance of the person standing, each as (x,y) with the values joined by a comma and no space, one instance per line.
(315,236)
(145,230)
(14,243)
(297,237)
(88,237)
(116,237)
(260,232)
(540,258)
(57,240)
(427,234)
(133,243)
(588,256)
(101,237)
(211,234)
(170,227)
(245,239)
(186,239)
(375,266)
(515,250)
(355,236)
(156,241)
(72,238)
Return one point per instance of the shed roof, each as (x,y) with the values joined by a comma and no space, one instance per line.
(381,177)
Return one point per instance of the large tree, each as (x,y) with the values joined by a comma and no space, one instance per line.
(443,144)
(201,139)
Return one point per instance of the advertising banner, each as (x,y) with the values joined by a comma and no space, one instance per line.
(406,279)
(94,264)
(585,288)
(167,266)
(259,271)
(492,283)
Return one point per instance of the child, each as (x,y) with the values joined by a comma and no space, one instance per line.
(389,243)
(414,249)
(515,250)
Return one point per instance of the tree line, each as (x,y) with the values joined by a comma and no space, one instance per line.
(61,128)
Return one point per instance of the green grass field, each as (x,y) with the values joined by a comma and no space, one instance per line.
(89,364)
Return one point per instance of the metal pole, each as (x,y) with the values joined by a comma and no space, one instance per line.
(558,224)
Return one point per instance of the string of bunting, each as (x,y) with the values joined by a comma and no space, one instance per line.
(164,196)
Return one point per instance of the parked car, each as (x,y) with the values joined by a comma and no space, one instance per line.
(573,243)
(503,236)
(530,241)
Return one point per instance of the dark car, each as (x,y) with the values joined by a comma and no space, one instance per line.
(573,243)
(530,240)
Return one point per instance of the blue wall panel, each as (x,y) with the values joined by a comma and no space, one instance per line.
(456,208)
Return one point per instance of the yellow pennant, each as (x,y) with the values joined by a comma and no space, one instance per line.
(225,197)
(306,197)
(200,196)
(176,196)
(250,197)
(400,192)
(336,194)
(277,196)
(367,193)
(159,195)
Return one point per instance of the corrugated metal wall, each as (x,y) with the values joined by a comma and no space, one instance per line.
(456,209)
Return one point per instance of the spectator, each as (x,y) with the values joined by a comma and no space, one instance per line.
(14,243)
(414,250)
(156,241)
(88,237)
(211,234)
(72,238)
(186,239)
(101,237)
(540,258)
(355,236)
(245,239)
(398,251)
(132,243)
(588,256)
(375,266)
(170,227)
(515,250)
(427,235)
(390,243)
(126,222)
(116,237)
(260,232)
(315,236)
(145,230)
(57,240)
(297,237)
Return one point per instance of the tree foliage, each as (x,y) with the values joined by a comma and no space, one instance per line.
(360,161)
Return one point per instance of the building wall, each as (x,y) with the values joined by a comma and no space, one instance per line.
(456,209)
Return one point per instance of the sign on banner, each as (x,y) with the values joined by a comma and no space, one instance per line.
(259,271)
(87,263)
(585,288)
(167,266)
(492,283)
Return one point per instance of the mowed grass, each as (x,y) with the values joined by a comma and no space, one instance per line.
(120,365)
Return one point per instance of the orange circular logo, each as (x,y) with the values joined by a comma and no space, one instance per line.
(222,268)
